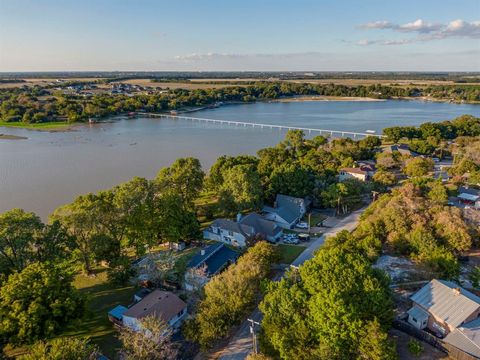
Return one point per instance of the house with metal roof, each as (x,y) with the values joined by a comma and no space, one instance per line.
(469,196)
(209,262)
(442,307)
(287,210)
(466,338)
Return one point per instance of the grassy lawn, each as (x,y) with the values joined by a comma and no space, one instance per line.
(288,253)
(315,218)
(102,296)
(60,125)
(181,261)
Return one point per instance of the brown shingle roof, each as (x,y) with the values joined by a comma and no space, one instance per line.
(159,303)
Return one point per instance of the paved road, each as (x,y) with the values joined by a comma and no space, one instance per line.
(347,223)
(241,343)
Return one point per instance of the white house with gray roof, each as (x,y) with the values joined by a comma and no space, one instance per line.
(237,233)
(287,210)
(229,232)
(449,311)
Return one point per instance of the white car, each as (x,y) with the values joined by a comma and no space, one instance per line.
(302,225)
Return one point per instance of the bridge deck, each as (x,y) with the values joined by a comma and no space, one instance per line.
(260,125)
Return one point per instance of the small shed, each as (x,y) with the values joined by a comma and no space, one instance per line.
(116,314)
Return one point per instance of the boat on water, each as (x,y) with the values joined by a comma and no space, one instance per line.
(370,131)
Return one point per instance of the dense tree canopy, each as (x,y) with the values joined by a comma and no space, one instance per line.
(36,303)
(323,311)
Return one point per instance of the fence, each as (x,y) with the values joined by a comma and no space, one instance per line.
(451,350)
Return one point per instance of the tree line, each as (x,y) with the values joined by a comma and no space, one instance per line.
(36,105)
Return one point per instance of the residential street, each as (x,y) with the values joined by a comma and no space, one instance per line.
(241,343)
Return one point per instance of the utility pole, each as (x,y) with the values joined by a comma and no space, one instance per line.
(254,336)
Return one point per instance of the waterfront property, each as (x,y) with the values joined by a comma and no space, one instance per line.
(163,304)
(286,211)
(209,262)
(237,233)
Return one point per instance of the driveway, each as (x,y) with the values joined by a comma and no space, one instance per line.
(241,344)
(347,223)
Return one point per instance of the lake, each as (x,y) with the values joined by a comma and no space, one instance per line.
(50,169)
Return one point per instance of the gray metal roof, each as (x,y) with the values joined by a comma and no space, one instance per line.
(447,301)
(465,341)
(418,313)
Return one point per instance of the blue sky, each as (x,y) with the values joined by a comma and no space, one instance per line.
(300,35)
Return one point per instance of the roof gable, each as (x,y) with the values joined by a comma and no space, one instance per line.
(447,301)
(216,257)
(163,304)
(261,225)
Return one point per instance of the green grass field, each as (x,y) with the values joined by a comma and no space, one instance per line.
(288,253)
(102,297)
(61,125)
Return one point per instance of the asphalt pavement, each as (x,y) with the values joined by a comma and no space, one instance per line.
(241,344)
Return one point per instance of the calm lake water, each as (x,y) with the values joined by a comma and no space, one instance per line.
(50,169)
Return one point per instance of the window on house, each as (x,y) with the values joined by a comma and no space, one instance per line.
(415,320)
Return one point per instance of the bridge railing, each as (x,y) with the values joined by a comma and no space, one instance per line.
(261,125)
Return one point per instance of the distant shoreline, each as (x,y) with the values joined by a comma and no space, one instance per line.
(326,98)
(12,137)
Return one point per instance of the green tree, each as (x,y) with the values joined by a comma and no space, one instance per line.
(385,178)
(64,348)
(138,209)
(418,166)
(224,163)
(323,310)
(241,189)
(80,220)
(229,296)
(343,196)
(438,193)
(290,179)
(18,231)
(37,303)
(185,176)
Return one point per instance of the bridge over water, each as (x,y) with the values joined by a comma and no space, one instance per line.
(332,133)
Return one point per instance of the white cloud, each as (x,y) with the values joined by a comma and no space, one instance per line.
(426,31)
(463,28)
(210,56)
(382,24)
(420,26)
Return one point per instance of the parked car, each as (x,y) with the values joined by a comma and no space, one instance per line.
(302,225)
(304,237)
(291,241)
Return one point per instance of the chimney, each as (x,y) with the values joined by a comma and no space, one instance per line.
(202,252)
(239,217)
(456,291)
